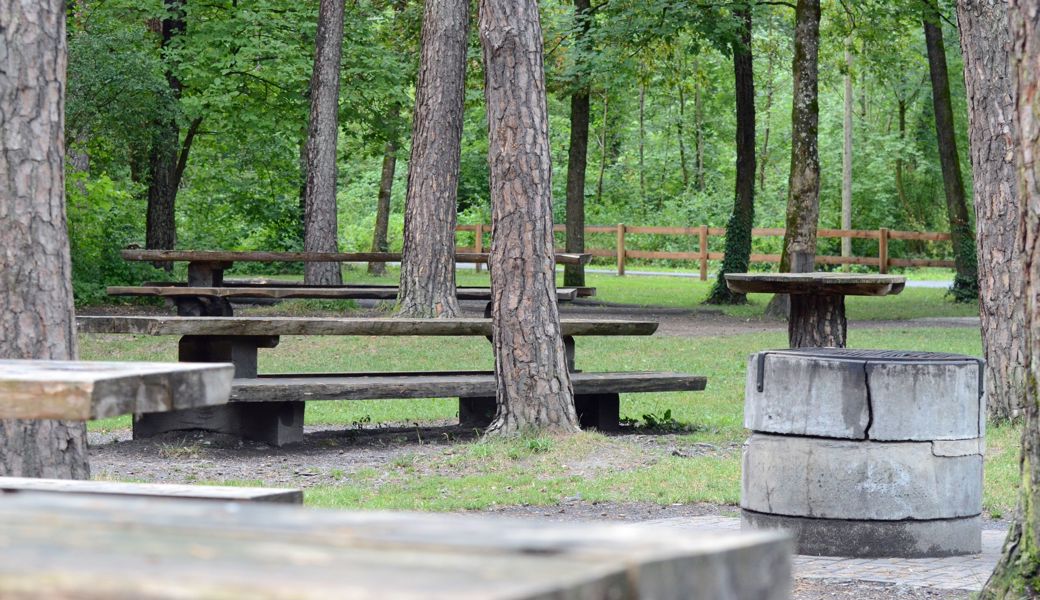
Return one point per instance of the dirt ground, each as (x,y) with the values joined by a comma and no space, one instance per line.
(330,455)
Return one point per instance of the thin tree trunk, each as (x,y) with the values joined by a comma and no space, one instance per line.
(161,224)
(803,195)
(846,157)
(577,159)
(984,44)
(698,136)
(738,230)
(534,388)
(386,186)
(428,265)
(603,150)
(682,137)
(900,185)
(642,143)
(36,318)
(1017,575)
(764,154)
(966,282)
(320,229)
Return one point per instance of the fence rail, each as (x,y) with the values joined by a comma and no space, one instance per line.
(703,254)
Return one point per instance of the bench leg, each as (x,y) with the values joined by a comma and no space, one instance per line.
(598,411)
(477,413)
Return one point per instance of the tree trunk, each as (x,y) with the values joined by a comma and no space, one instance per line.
(682,136)
(642,143)
(161,224)
(36,318)
(1017,575)
(984,44)
(900,185)
(386,186)
(577,159)
(803,195)
(698,135)
(816,321)
(603,149)
(738,230)
(534,388)
(764,154)
(846,157)
(320,230)
(428,265)
(966,282)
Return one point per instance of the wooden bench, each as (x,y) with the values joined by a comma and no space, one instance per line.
(179,291)
(258,411)
(10,485)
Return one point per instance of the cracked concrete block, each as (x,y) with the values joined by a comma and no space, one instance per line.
(839,479)
(844,394)
(804,395)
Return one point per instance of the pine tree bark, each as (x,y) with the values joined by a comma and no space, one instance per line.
(966,282)
(36,318)
(803,195)
(738,231)
(386,187)
(984,44)
(428,264)
(1017,575)
(320,229)
(577,159)
(534,388)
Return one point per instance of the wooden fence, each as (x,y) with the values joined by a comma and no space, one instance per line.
(703,234)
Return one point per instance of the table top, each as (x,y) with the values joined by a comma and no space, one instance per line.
(820,284)
(55,545)
(299,291)
(228,256)
(82,390)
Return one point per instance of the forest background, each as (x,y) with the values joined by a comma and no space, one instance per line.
(221,97)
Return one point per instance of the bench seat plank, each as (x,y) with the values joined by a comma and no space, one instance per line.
(220,256)
(296,292)
(294,388)
(82,390)
(581,292)
(275,326)
(155,490)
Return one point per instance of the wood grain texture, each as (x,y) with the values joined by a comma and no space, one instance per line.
(82,390)
(218,493)
(817,321)
(289,292)
(363,386)
(272,326)
(228,256)
(834,284)
(57,546)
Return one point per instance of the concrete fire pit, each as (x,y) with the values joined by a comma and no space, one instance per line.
(865,453)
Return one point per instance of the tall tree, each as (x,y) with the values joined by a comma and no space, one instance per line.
(320,230)
(984,44)
(803,193)
(738,230)
(386,188)
(966,282)
(1017,575)
(167,155)
(577,154)
(36,319)
(428,263)
(534,388)
(846,154)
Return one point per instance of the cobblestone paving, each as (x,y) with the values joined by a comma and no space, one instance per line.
(954,573)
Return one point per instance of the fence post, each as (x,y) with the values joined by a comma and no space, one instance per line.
(478,242)
(883,250)
(704,252)
(620,249)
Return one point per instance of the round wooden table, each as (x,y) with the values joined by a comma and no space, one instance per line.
(817,300)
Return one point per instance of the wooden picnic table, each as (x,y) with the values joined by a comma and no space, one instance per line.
(56,546)
(83,390)
(178,291)
(817,317)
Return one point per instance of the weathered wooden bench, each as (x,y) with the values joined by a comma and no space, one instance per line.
(287,292)
(56,546)
(270,408)
(217,493)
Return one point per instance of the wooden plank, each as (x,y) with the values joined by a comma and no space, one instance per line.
(364,386)
(275,326)
(646,254)
(220,256)
(839,284)
(218,493)
(82,390)
(921,262)
(293,292)
(56,546)
(926,236)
